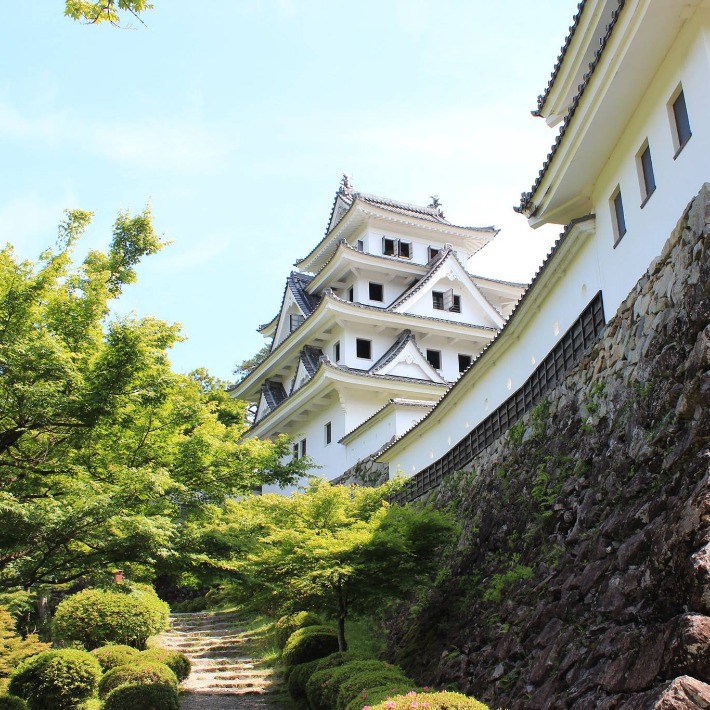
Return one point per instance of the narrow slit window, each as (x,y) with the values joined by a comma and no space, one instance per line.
(618,215)
(351,294)
(303,448)
(648,180)
(455,304)
(360,245)
(336,352)
(328,433)
(295,451)
(681,121)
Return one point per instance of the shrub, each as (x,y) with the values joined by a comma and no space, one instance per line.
(323,686)
(12,702)
(56,679)
(354,685)
(96,617)
(177,662)
(340,658)
(114,655)
(309,643)
(159,696)
(435,701)
(378,694)
(298,678)
(146,673)
(286,625)
(13,648)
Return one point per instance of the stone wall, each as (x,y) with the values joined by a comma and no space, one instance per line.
(582,576)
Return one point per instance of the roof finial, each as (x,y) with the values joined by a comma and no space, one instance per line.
(436,205)
(345,185)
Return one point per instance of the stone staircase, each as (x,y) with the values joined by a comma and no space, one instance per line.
(225,676)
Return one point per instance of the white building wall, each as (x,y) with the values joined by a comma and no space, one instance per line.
(677,180)
(568,287)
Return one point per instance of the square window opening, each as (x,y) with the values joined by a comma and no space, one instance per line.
(363,348)
(437,300)
(434,358)
(464,362)
(433,253)
(405,250)
(377,292)
(389,246)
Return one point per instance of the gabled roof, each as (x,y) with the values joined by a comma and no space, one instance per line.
(406,344)
(448,255)
(310,357)
(526,199)
(274,393)
(390,404)
(297,282)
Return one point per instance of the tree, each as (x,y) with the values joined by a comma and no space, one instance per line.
(333,549)
(93,13)
(102,445)
(247,366)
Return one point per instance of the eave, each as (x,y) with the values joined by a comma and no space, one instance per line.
(395,403)
(332,310)
(631,51)
(361,213)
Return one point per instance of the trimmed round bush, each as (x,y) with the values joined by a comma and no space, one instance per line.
(379,694)
(286,625)
(323,686)
(357,684)
(309,643)
(12,702)
(435,701)
(177,662)
(160,696)
(340,658)
(299,677)
(146,673)
(96,617)
(56,679)
(114,655)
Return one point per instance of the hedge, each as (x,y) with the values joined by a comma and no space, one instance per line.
(159,696)
(146,673)
(309,643)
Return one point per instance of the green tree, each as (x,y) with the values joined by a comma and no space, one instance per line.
(333,549)
(13,648)
(93,13)
(245,368)
(102,445)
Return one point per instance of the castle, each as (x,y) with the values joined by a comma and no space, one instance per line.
(382,317)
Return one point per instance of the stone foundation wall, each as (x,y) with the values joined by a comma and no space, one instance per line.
(582,576)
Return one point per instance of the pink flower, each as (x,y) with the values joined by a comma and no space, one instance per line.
(390,704)
(367,707)
(414,704)
(411,693)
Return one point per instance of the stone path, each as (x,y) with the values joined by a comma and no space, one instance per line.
(224,675)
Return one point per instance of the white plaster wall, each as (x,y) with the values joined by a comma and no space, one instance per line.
(380,344)
(597,265)
(677,181)
(372,438)
(420,246)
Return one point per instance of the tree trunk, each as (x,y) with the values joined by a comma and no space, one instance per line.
(342,643)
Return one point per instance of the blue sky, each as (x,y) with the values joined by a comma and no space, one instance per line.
(236,119)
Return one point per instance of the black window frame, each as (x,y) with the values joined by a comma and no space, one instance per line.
(362,343)
(681,121)
(360,245)
(618,215)
(437,300)
(336,351)
(646,174)
(434,355)
(389,246)
(328,432)
(351,294)
(302,444)
(382,291)
(402,247)
(464,362)
(433,252)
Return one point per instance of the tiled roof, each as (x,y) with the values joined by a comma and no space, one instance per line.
(274,393)
(310,357)
(298,282)
(560,58)
(404,337)
(526,197)
(375,375)
(462,381)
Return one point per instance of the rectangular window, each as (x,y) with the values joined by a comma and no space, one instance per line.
(351,294)
(389,246)
(619,219)
(360,245)
(464,362)
(295,321)
(295,451)
(328,433)
(434,358)
(455,304)
(405,250)
(437,300)
(681,123)
(646,176)
(303,448)
(377,292)
(433,252)
(336,352)
(363,348)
